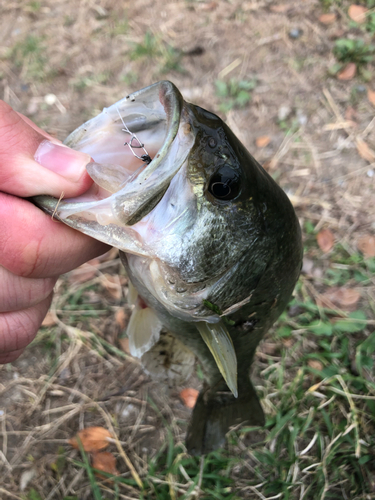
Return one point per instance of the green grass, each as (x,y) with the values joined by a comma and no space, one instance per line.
(164,56)
(30,56)
(35,6)
(356,51)
(328,4)
(174,474)
(319,439)
(121,27)
(234,93)
(319,442)
(319,397)
(84,82)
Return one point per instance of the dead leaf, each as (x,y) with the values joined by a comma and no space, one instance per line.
(262,141)
(348,72)
(325,240)
(113,286)
(344,298)
(49,320)
(121,318)
(365,151)
(329,18)
(314,363)
(366,245)
(357,13)
(124,344)
(351,115)
(85,272)
(27,476)
(92,438)
(209,6)
(189,397)
(269,348)
(281,8)
(314,387)
(287,342)
(106,462)
(371,96)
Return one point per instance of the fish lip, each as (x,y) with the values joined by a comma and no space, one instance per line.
(171,100)
(169,96)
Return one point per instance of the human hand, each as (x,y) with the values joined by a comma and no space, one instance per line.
(34,249)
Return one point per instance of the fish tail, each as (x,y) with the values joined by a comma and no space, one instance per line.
(215,412)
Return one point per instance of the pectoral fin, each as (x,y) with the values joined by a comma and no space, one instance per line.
(218,340)
(144,326)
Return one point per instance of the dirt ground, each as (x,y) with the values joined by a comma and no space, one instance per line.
(61,62)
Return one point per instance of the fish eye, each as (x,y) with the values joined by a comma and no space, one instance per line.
(225,184)
(220,190)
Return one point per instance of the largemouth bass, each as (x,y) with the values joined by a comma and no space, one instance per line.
(210,242)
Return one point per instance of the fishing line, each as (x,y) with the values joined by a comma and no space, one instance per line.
(146,158)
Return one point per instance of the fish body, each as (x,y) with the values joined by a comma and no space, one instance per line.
(210,242)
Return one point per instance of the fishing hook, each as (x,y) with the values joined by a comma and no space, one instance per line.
(146,158)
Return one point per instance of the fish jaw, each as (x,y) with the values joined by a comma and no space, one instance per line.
(126,188)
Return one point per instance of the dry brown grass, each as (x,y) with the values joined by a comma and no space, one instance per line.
(88,54)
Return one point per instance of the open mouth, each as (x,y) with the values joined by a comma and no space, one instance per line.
(138,145)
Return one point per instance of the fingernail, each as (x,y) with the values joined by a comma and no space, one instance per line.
(62,160)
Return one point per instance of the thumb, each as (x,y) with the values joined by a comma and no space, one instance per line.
(32,163)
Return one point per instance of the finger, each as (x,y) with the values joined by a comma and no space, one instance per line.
(17,293)
(38,129)
(18,328)
(10,356)
(30,164)
(33,245)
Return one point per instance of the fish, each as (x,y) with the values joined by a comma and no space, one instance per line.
(210,242)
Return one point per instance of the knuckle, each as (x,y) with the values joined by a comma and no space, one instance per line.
(10,356)
(22,248)
(37,294)
(47,286)
(17,293)
(18,329)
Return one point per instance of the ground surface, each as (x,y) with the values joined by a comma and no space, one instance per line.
(266,68)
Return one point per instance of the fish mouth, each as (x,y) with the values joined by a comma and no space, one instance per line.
(138,144)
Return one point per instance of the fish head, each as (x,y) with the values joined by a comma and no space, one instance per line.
(199,219)
(221,226)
